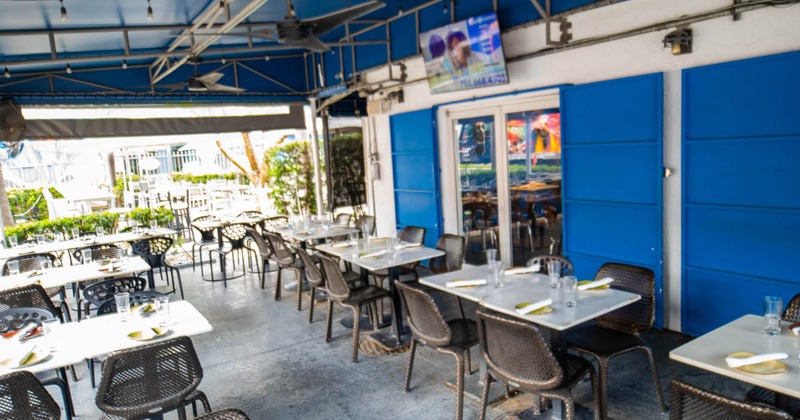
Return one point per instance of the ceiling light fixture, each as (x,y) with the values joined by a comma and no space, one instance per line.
(125,64)
(69,69)
(64,15)
(223,60)
(7,73)
(266,58)
(149,11)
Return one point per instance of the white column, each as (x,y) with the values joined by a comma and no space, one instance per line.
(312,103)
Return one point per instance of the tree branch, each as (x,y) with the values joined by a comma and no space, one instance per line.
(233,161)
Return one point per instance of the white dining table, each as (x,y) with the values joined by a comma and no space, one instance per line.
(62,276)
(746,333)
(59,246)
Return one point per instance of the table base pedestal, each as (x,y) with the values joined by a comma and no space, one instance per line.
(292,286)
(389,342)
(365,323)
(473,389)
(223,276)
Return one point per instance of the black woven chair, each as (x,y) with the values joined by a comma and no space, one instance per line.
(454,247)
(618,332)
(275,221)
(17,318)
(98,293)
(343,219)
(429,327)
(339,291)
(205,239)
(33,262)
(567,269)
(154,251)
(30,296)
(236,234)
(314,277)
(229,414)
(99,252)
(264,252)
(367,222)
(22,397)
(148,381)
(517,354)
(286,260)
(690,402)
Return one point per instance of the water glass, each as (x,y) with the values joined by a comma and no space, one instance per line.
(49,326)
(491,256)
(557,293)
(46,265)
(773,306)
(554,271)
(13,267)
(39,238)
(154,224)
(123,305)
(86,256)
(99,231)
(12,241)
(570,285)
(365,233)
(76,233)
(391,247)
(162,311)
(354,237)
(498,274)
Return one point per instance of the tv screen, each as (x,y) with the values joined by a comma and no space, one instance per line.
(464,55)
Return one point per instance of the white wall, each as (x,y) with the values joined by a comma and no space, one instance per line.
(763,32)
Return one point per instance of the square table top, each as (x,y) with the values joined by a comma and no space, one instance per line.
(708,352)
(61,276)
(314,232)
(58,246)
(404,256)
(361,245)
(520,288)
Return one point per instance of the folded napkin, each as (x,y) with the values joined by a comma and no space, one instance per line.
(534,306)
(27,356)
(373,254)
(735,362)
(522,270)
(342,245)
(305,232)
(595,284)
(465,283)
(795,328)
(405,245)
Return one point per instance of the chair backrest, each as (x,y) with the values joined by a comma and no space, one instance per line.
(99,252)
(313,273)
(454,247)
(205,234)
(424,318)
(690,402)
(235,234)
(412,234)
(31,262)
(30,296)
(16,318)
(136,298)
(150,380)
(153,249)
(280,251)
(567,269)
(276,221)
(22,396)
(102,291)
(334,281)
(251,214)
(343,219)
(228,414)
(182,221)
(639,315)
(261,243)
(792,312)
(367,222)
(516,352)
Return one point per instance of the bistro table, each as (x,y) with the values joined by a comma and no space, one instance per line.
(218,223)
(59,246)
(708,352)
(408,255)
(61,276)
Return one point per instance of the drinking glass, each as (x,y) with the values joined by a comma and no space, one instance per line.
(49,326)
(354,237)
(76,233)
(491,259)
(365,233)
(162,311)
(46,265)
(557,293)
(12,241)
(100,231)
(498,274)
(773,306)
(391,248)
(13,267)
(39,238)
(570,285)
(554,271)
(86,256)
(123,305)
(154,224)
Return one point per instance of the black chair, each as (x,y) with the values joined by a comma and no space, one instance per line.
(30,296)
(148,381)
(618,332)
(454,247)
(98,293)
(206,238)
(99,252)
(409,234)
(154,251)
(264,252)
(517,354)
(367,222)
(429,327)
(567,269)
(275,221)
(343,219)
(690,402)
(22,397)
(236,234)
(229,414)
(286,260)
(314,277)
(339,291)
(33,262)
(17,318)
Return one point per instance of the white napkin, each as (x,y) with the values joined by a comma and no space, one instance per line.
(522,270)
(373,254)
(595,284)
(408,245)
(735,362)
(341,245)
(26,355)
(534,306)
(465,283)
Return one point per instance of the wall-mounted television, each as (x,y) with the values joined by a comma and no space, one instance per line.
(464,55)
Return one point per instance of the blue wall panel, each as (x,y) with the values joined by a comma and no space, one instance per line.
(433,17)
(368,56)
(741,206)
(468,9)
(403,33)
(612,190)
(617,172)
(415,166)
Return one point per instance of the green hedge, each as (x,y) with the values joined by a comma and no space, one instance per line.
(21,201)
(291,176)
(87,224)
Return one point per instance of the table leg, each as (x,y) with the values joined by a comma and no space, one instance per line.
(401,337)
(223,274)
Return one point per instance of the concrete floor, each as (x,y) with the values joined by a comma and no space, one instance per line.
(266,359)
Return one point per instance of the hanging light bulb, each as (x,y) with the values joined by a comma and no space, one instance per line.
(69,69)
(444,9)
(223,60)
(7,73)
(399,8)
(125,64)
(64,15)
(149,11)
(266,58)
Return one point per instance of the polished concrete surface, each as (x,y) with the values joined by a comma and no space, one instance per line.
(266,359)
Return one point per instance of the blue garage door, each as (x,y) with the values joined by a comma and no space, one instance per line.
(741,188)
(415,164)
(612,164)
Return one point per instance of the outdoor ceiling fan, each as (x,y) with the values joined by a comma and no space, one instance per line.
(204,83)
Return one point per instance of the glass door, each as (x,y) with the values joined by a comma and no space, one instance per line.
(477,169)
